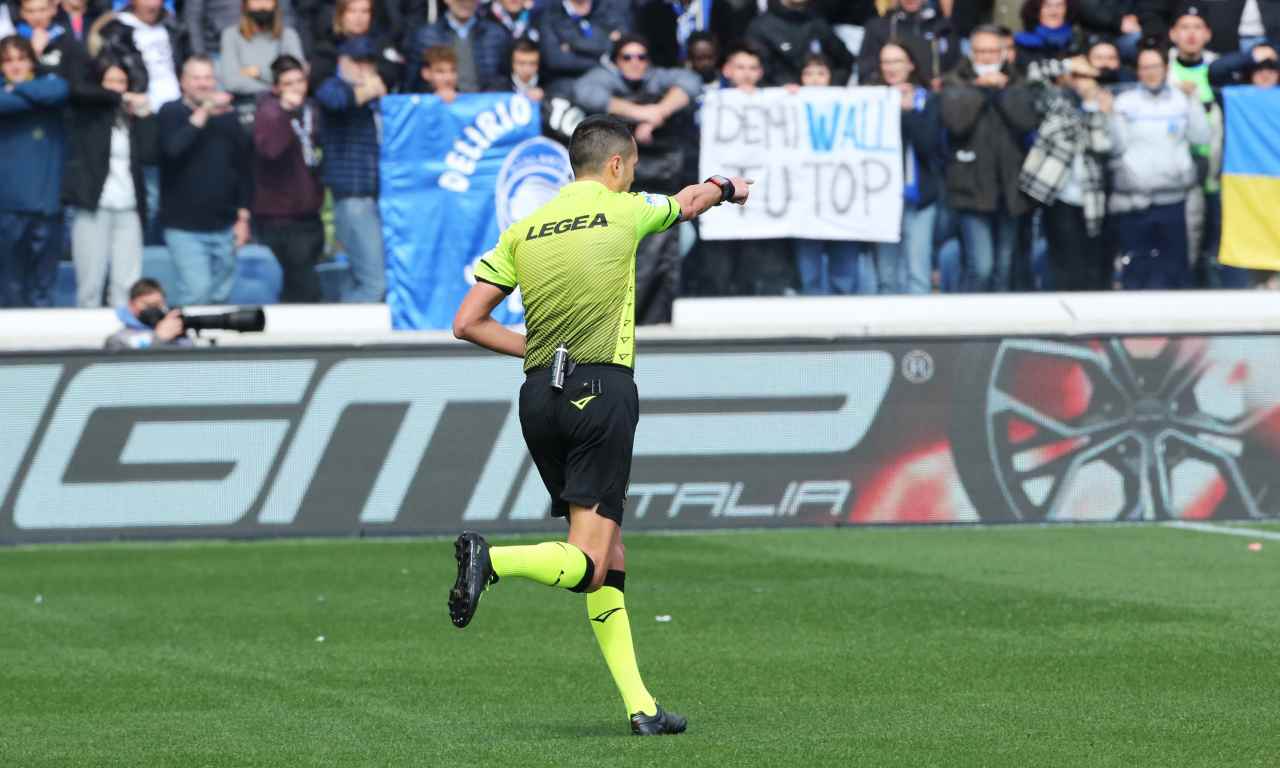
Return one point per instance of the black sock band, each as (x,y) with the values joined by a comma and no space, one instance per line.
(616,579)
(587,575)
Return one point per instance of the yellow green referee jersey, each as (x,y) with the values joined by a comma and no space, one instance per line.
(574,260)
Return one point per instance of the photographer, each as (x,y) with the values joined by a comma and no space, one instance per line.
(146,321)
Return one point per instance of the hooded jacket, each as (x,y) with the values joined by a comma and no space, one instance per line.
(89,155)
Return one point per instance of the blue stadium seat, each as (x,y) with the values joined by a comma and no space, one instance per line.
(259,278)
(64,290)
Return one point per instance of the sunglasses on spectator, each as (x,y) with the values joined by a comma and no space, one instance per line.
(634,57)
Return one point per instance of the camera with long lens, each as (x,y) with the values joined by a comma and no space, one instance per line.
(243,320)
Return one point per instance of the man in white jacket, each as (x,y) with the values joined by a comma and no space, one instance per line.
(1154,127)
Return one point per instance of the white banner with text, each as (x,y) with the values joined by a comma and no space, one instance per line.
(827,162)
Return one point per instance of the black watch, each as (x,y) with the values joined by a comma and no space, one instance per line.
(727,190)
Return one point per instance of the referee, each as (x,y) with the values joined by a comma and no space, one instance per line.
(574,260)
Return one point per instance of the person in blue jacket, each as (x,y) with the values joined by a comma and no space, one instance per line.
(31,142)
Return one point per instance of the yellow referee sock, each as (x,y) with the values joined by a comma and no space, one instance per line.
(554,563)
(609,622)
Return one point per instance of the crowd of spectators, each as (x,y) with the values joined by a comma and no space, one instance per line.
(1048,144)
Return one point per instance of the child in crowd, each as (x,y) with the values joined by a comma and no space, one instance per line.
(440,71)
(760,267)
(829,266)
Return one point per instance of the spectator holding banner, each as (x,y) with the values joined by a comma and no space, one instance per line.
(1154,128)
(1240,68)
(480,44)
(1065,172)
(350,165)
(108,146)
(788,33)
(578,35)
(726,268)
(1265,72)
(439,72)
(1192,70)
(205,189)
(917,26)
(287,194)
(907,266)
(248,50)
(31,141)
(988,115)
(828,267)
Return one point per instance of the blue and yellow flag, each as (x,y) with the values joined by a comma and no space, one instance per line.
(1251,179)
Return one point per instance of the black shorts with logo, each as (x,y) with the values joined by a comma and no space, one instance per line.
(581,442)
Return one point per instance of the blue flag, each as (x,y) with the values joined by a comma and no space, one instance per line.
(453,176)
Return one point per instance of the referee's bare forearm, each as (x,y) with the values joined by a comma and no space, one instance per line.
(474,324)
(697,199)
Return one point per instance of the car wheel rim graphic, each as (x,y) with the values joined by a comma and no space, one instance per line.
(1104,431)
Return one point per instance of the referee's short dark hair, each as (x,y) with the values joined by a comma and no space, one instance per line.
(595,140)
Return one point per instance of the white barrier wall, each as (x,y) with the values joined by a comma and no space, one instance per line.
(34,329)
(934,316)
(1026,314)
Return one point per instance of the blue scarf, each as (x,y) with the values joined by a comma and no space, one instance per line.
(583,22)
(1046,38)
(687,21)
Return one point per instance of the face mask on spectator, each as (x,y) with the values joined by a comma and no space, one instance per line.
(983,70)
(262,18)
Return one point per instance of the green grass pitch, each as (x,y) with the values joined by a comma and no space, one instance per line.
(1078,646)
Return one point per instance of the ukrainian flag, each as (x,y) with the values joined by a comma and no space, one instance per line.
(1251,179)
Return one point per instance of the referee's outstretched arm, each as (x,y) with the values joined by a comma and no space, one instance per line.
(697,199)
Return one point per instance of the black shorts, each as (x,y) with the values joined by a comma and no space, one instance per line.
(581,442)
